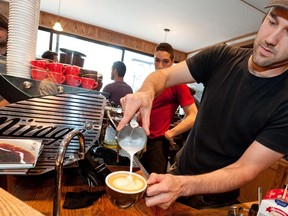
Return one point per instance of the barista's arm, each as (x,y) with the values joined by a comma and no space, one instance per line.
(165,189)
(153,85)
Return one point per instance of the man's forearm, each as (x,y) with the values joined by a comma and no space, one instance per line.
(215,182)
(155,83)
(232,176)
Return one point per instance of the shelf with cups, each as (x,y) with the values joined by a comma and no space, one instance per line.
(48,79)
(65,74)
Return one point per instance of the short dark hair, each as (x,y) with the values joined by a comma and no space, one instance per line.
(49,54)
(165,47)
(3,22)
(120,67)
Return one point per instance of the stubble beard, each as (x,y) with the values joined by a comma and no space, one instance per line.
(276,59)
(264,61)
(260,61)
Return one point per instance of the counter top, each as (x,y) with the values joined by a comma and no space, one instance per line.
(38,193)
(10,205)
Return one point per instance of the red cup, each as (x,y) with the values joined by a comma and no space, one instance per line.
(72,70)
(89,83)
(57,77)
(56,67)
(38,64)
(73,80)
(38,74)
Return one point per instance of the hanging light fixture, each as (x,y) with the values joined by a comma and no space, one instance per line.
(166,32)
(57,26)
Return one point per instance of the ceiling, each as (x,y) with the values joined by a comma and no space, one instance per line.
(193,24)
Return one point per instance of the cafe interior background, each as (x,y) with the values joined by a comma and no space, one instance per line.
(107,31)
(128,30)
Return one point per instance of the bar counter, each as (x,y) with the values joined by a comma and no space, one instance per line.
(38,192)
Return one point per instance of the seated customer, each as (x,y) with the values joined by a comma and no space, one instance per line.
(118,88)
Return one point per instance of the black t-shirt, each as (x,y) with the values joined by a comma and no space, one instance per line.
(236,109)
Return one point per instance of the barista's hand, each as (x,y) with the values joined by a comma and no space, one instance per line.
(131,104)
(163,190)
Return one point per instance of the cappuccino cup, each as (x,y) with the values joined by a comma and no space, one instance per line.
(125,191)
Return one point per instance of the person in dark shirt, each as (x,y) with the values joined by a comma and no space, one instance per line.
(241,127)
(118,88)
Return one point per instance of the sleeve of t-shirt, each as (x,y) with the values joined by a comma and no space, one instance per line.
(275,135)
(202,64)
(184,95)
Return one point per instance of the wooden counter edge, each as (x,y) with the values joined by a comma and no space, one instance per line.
(10,205)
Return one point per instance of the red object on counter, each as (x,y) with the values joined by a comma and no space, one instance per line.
(89,83)
(38,74)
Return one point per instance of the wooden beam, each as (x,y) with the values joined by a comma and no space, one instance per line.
(85,30)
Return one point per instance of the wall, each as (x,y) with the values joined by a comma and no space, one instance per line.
(274,177)
(96,33)
(4,8)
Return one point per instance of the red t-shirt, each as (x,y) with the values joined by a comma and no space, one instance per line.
(165,106)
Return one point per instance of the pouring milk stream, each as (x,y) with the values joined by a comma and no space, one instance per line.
(132,139)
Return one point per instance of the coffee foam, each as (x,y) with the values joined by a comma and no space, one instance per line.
(123,183)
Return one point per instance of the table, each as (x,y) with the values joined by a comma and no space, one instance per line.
(38,193)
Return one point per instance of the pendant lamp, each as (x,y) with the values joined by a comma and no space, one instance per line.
(57,26)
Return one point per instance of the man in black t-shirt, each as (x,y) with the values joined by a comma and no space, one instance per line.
(242,124)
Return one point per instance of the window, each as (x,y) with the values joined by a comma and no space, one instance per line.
(99,57)
(139,66)
(43,41)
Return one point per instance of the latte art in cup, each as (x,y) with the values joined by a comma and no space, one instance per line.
(124,183)
(124,190)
